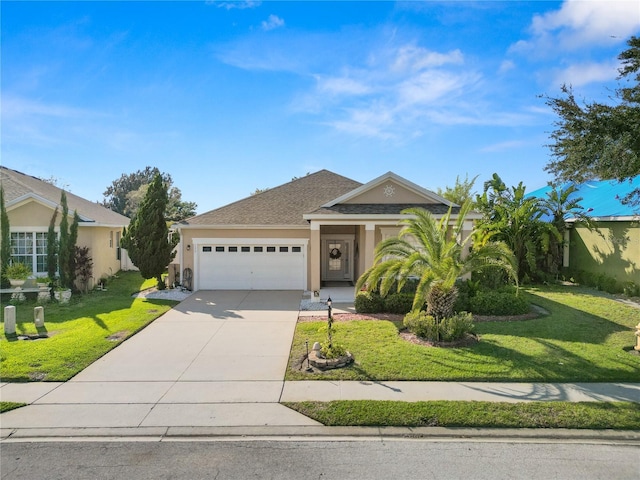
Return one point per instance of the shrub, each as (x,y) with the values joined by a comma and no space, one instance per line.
(498,303)
(456,327)
(608,284)
(368,302)
(449,329)
(630,289)
(421,324)
(398,303)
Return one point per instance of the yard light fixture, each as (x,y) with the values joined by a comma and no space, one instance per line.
(329,302)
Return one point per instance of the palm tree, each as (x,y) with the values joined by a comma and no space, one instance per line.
(561,205)
(433,252)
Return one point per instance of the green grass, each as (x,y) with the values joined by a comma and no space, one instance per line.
(585,338)
(78,333)
(583,415)
(6,406)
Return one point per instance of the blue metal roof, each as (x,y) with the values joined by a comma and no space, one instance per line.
(601,198)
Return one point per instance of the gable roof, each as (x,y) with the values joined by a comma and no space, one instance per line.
(427,194)
(601,199)
(19,188)
(280,206)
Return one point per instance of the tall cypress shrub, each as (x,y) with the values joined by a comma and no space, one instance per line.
(147,240)
(63,243)
(73,239)
(52,247)
(5,241)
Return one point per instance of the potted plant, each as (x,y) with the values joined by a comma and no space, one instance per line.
(43,282)
(17,273)
(62,294)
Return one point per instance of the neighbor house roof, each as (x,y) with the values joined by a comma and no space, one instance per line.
(19,187)
(602,199)
(280,206)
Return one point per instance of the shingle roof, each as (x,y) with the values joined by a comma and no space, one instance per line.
(283,205)
(17,184)
(382,209)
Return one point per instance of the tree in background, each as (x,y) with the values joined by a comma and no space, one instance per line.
(559,206)
(460,192)
(147,240)
(5,240)
(512,217)
(599,141)
(125,195)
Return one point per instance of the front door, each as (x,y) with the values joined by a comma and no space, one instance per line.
(336,260)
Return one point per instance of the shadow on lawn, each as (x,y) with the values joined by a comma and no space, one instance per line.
(566,323)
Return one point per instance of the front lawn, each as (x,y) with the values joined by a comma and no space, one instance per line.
(585,338)
(78,333)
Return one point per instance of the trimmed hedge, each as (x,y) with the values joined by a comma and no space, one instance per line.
(372,302)
(498,303)
(368,302)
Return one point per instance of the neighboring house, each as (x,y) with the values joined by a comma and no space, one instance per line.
(614,248)
(30,204)
(310,232)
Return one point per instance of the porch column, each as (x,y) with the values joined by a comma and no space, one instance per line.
(314,247)
(565,248)
(467,228)
(369,244)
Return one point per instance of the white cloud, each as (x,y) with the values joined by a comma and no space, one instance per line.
(342,86)
(235,4)
(412,58)
(585,73)
(272,23)
(579,23)
(506,66)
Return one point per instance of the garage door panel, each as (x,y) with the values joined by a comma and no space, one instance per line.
(273,268)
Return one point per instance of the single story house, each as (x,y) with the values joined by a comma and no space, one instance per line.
(614,248)
(30,204)
(311,232)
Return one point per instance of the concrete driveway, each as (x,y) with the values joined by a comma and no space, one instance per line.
(216,359)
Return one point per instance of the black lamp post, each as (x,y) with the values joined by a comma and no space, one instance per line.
(329,324)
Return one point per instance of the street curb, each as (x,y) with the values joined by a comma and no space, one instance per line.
(318,433)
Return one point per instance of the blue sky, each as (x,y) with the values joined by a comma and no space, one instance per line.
(228,97)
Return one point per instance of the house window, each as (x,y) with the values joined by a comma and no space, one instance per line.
(219,249)
(118,254)
(257,249)
(246,249)
(296,249)
(30,248)
(233,249)
(284,249)
(111,239)
(271,249)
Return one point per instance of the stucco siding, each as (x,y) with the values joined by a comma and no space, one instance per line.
(102,245)
(614,250)
(31,214)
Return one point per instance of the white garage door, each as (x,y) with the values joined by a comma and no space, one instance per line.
(279,265)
